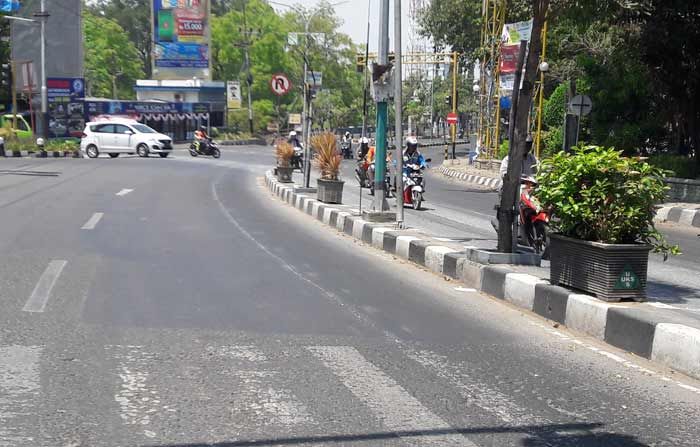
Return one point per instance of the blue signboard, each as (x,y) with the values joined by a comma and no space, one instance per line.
(180,33)
(95,108)
(65,89)
(9,5)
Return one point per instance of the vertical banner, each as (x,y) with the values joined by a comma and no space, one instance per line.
(233,95)
(509,58)
(181,38)
(513,33)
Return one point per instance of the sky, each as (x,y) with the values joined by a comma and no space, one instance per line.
(354,15)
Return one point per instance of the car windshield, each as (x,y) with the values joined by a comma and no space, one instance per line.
(143,128)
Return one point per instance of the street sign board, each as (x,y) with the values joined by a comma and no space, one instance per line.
(451,118)
(580,105)
(280,84)
(294,118)
(233,95)
(314,79)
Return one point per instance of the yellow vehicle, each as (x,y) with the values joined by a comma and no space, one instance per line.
(23,130)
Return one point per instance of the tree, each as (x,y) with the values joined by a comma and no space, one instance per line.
(110,58)
(134,17)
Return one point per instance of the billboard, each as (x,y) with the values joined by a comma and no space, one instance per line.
(181,36)
(233,95)
(66,108)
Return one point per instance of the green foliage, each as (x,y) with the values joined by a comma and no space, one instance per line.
(554,108)
(62,145)
(596,194)
(503,149)
(679,165)
(109,56)
(552,141)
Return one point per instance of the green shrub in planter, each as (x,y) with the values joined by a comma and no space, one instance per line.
(598,195)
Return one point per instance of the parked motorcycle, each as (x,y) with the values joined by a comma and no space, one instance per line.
(210,149)
(413,186)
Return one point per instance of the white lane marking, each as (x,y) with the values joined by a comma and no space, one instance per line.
(464,289)
(392,404)
(93,221)
(137,402)
(616,358)
(124,192)
(474,391)
(19,391)
(41,293)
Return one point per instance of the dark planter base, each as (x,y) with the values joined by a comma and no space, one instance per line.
(611,272)
(330,191)
(16,154)
(284,174)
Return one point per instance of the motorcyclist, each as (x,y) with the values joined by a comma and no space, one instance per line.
(529,205)
(364,148)
(347,138)
(412,156)
(293,139)
(529,163)
(201,139)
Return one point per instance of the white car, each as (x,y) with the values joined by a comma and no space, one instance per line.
(116,137)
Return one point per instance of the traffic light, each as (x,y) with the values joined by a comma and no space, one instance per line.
(6,78)
(360,63)
(448,100)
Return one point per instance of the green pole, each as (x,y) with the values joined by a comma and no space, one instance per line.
(380,154)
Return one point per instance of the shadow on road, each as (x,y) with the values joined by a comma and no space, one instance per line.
(578,435)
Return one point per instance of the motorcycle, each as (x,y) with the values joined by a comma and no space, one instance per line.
(361,173)
(533,226)
(413,185)
(346,148)
(211,149)
(297,161)
(387,181)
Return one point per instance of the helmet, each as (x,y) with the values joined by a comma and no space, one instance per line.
(528,179)
(412,142)
(364,140)
(292,134)
(347,134)
(202,128)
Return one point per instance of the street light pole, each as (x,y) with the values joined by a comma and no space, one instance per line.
(379,204)
(44,90)
(398,106)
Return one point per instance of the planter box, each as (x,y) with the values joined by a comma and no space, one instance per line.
(611,272)
(284,174)
(330,191)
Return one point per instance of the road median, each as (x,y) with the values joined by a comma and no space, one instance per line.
(643,330)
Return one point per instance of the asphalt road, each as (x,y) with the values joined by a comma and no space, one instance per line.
(177,303)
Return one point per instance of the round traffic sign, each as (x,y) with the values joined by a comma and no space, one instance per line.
(451,118)
(280,84)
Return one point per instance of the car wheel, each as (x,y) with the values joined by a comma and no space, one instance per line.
(92,151)
(164,155)
(142,150)
(113,154)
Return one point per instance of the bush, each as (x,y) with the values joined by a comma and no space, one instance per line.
(284,152)
(552,142)
(598,195)
(327,156)
(503,149)
(680,166)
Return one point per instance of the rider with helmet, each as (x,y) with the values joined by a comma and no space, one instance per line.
(293,139)
(201,139)
(411,155)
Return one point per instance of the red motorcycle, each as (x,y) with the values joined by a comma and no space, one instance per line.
(533,219)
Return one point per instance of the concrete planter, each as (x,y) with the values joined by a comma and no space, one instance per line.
(330,191)
(284,174)
(611,272)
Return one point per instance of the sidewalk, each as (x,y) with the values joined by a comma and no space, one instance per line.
(682,213)
(661,332)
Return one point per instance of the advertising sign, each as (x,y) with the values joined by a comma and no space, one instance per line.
(294,118)
(94,108)
(181,37)
(9,5)
(509,58)
(314,79)
(513,33)
(233,95)
(66,108)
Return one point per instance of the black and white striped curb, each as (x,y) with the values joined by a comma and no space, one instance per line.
(683,216)
(494,183)
(49,154)
(666,337)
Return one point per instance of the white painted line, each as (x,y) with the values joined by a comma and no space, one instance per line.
(444,239)
(40,296)
(464,289)
(93,221)
(19,393)
(124,192)
(390,402)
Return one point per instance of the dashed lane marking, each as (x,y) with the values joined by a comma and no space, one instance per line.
(93,221)
(124,192)
(42,292)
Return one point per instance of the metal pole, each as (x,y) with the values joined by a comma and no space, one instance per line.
(398,106)
(305,121)
(454,102)
(380,203)
(44,90)
(366,90)
(13,84)
(250,93)
(540,100)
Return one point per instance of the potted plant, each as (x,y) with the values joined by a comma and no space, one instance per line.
(603,206)
(284,170)
(328,160)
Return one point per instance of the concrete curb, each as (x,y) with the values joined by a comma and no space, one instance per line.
(49,154)
(682,216)
(494,183)
(667,338)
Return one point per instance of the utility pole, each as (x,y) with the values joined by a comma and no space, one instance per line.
(365,89)
(43,16)
(245,44)
(454,102)
(398,106)
(381,73)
